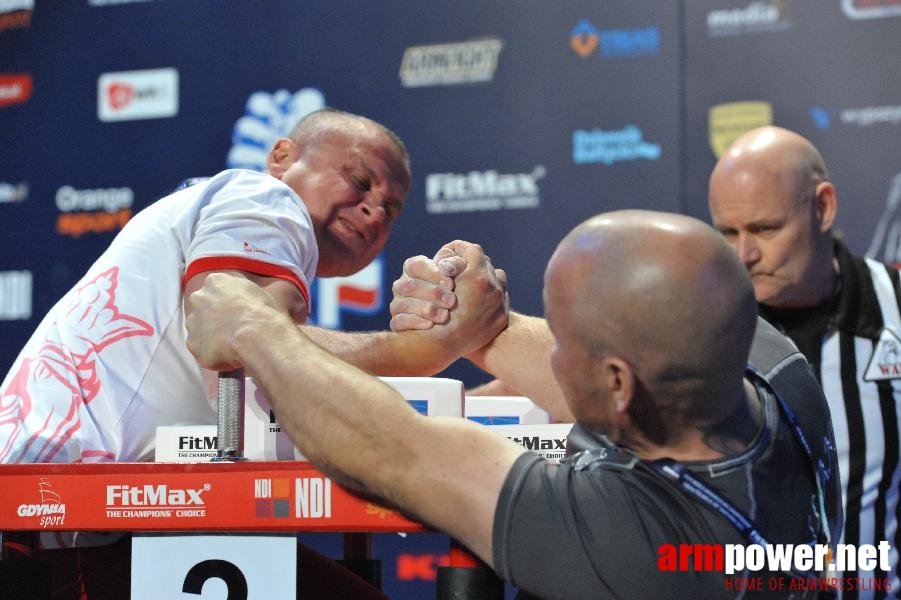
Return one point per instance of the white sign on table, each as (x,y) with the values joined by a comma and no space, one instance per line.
(213,567)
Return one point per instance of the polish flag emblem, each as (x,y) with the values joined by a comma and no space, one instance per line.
(360,293)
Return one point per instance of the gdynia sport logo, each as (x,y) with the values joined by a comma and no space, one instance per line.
(805,567)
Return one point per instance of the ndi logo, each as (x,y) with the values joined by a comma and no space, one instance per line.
(313,498)
(268,117)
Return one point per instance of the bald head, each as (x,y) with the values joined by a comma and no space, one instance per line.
(327,120)
(664,292)
(770,196)
(787,159)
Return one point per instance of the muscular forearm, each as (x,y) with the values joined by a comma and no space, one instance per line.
(362,433)
(520,357)
(385,353)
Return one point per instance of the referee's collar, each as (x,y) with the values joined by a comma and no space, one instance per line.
(858,309)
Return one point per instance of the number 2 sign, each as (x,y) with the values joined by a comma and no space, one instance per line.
(213,567)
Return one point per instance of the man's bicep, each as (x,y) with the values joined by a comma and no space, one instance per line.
(288,297)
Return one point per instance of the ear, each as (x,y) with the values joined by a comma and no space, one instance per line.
(826,205)
(619,380)
(281,156)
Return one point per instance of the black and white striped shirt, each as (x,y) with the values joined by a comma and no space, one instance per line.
(858,363)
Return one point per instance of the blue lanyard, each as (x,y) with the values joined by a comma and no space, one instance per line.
(686,480)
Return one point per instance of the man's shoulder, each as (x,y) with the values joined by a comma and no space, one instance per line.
(770,348)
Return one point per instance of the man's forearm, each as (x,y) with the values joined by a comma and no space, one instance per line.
(385,353)
(520,357)
(362,433)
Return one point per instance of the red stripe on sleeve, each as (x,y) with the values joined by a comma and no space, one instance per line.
(239,263)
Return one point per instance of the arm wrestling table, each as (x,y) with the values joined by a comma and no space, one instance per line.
(245,496)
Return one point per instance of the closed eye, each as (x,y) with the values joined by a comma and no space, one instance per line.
(364,184)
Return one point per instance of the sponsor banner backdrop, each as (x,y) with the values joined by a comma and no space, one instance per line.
(522,119)
(818,68)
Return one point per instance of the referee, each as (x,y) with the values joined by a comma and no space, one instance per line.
(771,197)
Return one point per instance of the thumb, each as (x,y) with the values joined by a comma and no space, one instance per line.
(449,263)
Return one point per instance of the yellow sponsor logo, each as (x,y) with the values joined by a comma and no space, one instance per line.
(725,122)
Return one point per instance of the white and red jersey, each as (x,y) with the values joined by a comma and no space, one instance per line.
(108,363)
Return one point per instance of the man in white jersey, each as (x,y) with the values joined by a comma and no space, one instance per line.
(771,197)
(108,363)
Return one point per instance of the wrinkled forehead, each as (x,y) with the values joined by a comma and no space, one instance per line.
(369,144)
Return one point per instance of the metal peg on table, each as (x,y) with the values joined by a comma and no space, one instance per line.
(230,426)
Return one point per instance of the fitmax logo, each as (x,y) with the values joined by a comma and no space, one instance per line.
(154,495)
(536,443)
(188,442)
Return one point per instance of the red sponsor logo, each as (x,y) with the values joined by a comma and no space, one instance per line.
(421,567)
(15,89)
(120,95)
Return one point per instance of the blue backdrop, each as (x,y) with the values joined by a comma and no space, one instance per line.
(522,118)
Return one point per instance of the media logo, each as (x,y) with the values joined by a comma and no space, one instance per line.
(16,290)
(15,88)
(360,293)
(886,244)
(13,193)
(472,61)
(479,191)
(92,210)
(824,117)
(15,14)
(871,9)
(608,147)
(267,118)
(134,95)
(51,510)
(756,17)
(726,122)
(585,38)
